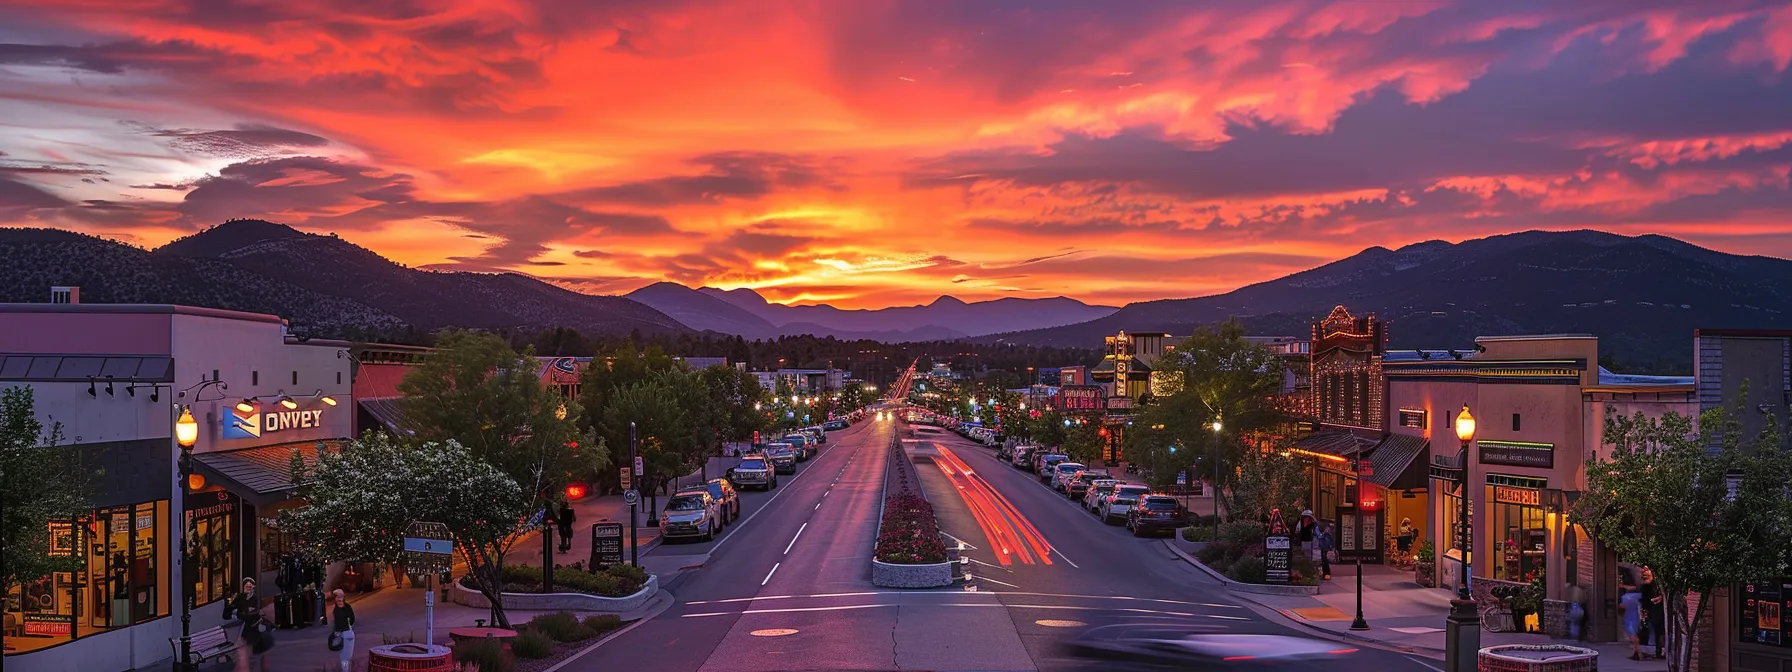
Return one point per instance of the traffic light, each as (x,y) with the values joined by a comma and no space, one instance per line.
(576,491)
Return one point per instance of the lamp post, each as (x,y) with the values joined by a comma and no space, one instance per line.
(1462,636)
(186,433)
(1216,478)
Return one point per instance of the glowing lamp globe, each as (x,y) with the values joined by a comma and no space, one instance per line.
(1465,425)
(186,429)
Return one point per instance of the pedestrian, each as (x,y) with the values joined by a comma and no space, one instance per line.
(1632,603)
(1323,541)
(1654,612)
(1304,529)
(256,640)
(343,628)
(566,521)
(238,606)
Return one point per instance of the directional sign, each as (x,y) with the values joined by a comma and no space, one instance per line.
(640,467)
(434,546)
(1182,478)
(628,479)
(631,497)
(537,518)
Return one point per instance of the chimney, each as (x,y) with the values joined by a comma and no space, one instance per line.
(65,295)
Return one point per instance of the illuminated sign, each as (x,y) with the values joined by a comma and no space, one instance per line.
(1518,454)
(1082,398)
(1520,496)
(253,424)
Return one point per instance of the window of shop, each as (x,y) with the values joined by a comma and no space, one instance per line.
(1519,536)
(122,552)
(211,520)
(1762,618)
(1449,514)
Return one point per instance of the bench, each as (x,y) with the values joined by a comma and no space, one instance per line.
(209,644)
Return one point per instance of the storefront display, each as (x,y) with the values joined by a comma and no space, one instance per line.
(1763,608)
(211,526)
(1518,538)
(123,551)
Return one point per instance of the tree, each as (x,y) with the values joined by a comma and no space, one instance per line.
(664,409)
(732,394)
(40,482)
(1267,480)
(1084,443)
(362,498)
(1703,507)
(1225,377)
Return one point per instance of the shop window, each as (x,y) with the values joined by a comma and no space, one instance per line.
(1515,422)
(1519,537)
(122,553)
(212,520)
(254,377)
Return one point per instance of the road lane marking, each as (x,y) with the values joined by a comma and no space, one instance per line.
(990,580)
(768,503)
(799,535)
(1061,555)
(817,507)
(768,575)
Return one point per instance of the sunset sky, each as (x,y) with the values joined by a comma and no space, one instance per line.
(870,153)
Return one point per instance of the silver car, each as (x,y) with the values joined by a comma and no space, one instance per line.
(754,471)
(691,513)
(1121,501)
(783,456)
(1063,472)
(1099,489)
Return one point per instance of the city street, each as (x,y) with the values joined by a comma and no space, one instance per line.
(790,589)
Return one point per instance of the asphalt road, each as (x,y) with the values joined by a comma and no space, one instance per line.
(790,588)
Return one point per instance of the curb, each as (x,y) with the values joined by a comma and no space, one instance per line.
(658,606)
(1238,587)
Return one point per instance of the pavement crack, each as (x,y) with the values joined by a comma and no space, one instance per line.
(895,660)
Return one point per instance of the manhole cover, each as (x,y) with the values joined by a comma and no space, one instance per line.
(773,632)
(1055,623)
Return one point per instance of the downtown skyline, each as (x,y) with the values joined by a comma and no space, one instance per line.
(874,154)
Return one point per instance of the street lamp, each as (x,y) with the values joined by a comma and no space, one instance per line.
(1462,635)
(186,433)
(1216,478)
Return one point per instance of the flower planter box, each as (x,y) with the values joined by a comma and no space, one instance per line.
(889,575)
(561,601)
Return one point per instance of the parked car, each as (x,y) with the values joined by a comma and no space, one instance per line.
(691,513)
(1119,503)
(782,455)
(1044,463)
(1154,513)
(1064,472)
(1098,491)
(1078,485)
(802,444)
(1023,456)
(754,470)
(727,499)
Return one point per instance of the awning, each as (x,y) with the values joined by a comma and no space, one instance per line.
(389,413)
(263,475)
(1336,443)
(1399,464)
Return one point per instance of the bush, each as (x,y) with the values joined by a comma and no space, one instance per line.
(484,656)
(531,642)
(1427,552)
(599,624)
(1249,569)
(1213,553)
(1198,533)
(562,626)
(1302,571)
(614,581)
(1245,532)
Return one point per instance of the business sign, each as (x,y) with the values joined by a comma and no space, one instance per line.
(1763,618)
(253,424)
(1277,558)
(1082,398)
(628,479)
(1521,496)
(606,544)
(1518,454)
(49,625)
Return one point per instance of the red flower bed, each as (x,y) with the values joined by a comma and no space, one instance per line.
(909,534)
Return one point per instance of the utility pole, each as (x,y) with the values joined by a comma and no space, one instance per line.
(634,539)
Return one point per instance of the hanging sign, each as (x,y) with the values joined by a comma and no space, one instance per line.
(1521,496)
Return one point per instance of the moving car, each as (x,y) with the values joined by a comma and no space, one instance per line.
(727,499)
(1154,513)
(1063,472)
(1098,490)
(1160,645)
(782,455)
(691,513)
(1077,486)
(1121,501)
(755,470)
(1044,464)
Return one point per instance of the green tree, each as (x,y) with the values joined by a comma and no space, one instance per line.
(666,410)
(362,498)
(1225,377)
(1084,443)
(40,482)
(1704,507)
(1267,480)
(1047,430)
(732,394)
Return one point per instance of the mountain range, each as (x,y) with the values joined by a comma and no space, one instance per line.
(745,312)
(1643,296)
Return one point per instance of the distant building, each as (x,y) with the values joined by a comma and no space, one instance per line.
(1073,375)
(805,381)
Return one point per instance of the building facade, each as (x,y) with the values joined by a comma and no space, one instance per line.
(114,378)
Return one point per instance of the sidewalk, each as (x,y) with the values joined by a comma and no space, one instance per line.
(609,508)
(1404,615)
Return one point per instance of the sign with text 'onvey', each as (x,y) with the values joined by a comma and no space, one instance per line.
(255,423)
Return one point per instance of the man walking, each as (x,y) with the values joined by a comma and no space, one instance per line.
(566,521)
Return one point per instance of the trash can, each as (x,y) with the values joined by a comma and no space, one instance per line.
(1536,658)
(410,658)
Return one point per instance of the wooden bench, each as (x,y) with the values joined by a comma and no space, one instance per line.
(208,644)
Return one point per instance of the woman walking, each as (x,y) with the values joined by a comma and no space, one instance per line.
(1322,540)
(565,524)
(343,627)
(1654,612)
(256,640)
(1632,603)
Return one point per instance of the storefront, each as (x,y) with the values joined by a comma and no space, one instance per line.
(1517,540)
(123,553)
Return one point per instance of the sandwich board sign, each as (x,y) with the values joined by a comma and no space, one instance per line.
(1277,549)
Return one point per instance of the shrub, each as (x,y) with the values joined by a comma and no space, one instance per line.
(562,626)
(1249,569)
(483,656)
(614,581)
(629,573)
(1245,532)
(1427,552)
(599,624)
(1213,553)
(531,642)
(1197,533)
(1302,571)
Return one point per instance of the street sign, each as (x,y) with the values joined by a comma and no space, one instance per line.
(606,544)
(537,518)
(1182,478)
(640,467)
(1276,558)
(631,497)
(628,479)
(430,546)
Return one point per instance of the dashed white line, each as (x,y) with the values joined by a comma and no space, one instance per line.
(787,547)
(817,506)
(768,575)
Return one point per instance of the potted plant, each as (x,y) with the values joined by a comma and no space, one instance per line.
(1528,600)
(1424,566)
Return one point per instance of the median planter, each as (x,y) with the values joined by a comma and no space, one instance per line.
(560,601)
(909,551)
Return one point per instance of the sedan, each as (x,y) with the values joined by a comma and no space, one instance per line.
(1155,513)
(691,513)
(1063,472)
(1099,489)
(1077,486)
(1174,646)
(1118,505)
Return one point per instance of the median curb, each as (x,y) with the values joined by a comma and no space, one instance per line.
(658,604)
(1238,586)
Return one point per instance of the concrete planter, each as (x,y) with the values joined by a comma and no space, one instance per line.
(1555,618)
(887,575)
(561,601)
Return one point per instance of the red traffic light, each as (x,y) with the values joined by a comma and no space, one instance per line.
(576,491)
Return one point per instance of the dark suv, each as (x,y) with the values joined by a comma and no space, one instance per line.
(754,471)
(1154,513)
(726,499)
